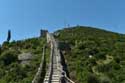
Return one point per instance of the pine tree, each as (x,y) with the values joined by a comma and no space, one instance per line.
(0,49)
(9,35)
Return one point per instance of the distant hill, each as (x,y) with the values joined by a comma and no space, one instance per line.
(96,56)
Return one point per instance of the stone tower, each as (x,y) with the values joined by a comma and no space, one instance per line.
(43,33)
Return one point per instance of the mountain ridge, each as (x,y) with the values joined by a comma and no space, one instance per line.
(96,56)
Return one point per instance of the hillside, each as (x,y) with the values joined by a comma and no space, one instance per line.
(19,60)
(96,56)
(92,56)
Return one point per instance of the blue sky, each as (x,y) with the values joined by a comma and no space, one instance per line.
(26,17)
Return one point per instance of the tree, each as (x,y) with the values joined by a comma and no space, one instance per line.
(9,35)
(0,49)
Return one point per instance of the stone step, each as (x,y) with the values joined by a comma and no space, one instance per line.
(55,75)
(55,81)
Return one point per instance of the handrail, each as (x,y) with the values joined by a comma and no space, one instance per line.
(38,74)
(69,80)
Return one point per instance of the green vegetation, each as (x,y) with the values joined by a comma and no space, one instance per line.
(92,55)
(11,69)
(96,56)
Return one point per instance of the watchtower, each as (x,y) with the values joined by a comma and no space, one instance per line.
(43,33)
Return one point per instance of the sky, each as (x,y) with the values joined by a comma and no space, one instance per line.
(25,18)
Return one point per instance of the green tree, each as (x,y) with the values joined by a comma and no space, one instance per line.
(9,35)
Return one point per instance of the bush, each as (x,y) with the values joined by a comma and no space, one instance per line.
(8,57)
(92,79)
(101,55)
(104,79)
(117,59)
(104,67)
(116,66)
(92,61)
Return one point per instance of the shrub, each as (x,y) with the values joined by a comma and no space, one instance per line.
(104,79)
(104,67)
(92,79)
(8,57)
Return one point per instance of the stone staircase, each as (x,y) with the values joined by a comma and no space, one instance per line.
(55,72)
(54,77)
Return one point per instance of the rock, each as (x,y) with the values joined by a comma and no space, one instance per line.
(25,58)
